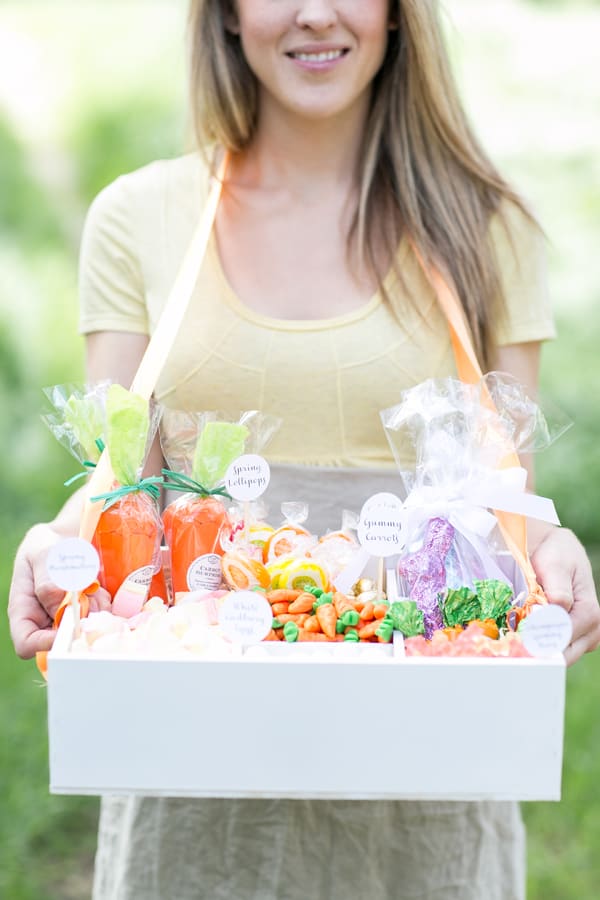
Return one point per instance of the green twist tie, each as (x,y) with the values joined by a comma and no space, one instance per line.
(147,485)
(88,465)
(180,482)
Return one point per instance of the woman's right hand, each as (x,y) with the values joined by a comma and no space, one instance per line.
(33,599)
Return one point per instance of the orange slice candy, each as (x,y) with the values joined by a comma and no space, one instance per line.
(241,573)
(283,541)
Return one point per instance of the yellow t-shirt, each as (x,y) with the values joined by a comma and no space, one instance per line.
(326,379)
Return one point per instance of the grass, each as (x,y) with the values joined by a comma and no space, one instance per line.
(88,91)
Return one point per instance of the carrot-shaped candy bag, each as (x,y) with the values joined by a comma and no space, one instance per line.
(196,521)
(199,449)
(129,530)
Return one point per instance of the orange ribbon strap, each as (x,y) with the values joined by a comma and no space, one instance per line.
(512,525)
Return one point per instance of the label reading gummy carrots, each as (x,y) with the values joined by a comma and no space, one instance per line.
(381,525)
(247,477)
(205,573)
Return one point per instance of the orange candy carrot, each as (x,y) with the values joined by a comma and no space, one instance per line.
(280,609)
(127,539)
(282,595)
(380,610)
(305,635)
(272,636)
(327,617)
(312,624)
(341,604)
(367,612)
(303,603)
(368,631)
(298,618)
(193,525)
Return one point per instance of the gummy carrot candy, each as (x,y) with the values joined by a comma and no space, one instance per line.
(197,521)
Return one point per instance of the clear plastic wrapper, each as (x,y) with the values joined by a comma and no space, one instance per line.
(78,418)
(198,448)
(465,438)
(84,419)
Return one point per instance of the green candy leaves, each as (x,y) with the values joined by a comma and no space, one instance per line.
(385,630)
(490,600)
(460,607)
(127,424)
(406,617)
(495,599)
(218,445)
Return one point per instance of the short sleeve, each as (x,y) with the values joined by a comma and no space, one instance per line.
(520,250)
(111,289)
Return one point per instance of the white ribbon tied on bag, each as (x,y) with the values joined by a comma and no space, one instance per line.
(466,505)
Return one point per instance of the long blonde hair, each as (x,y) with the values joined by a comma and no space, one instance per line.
(422,172)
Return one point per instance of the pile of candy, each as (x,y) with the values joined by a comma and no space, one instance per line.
(313,614)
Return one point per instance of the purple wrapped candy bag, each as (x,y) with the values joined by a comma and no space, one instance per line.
(424,572)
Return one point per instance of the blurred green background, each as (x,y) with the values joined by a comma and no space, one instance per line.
(91,89)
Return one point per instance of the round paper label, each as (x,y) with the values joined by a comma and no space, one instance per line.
(72,564)
(245,617)
(247,477)
(205,573)
(381,525)
(547,630)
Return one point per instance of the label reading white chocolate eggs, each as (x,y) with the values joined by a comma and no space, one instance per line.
(205,573)
(381,525)
(245,617)
(73,564)
(247,477)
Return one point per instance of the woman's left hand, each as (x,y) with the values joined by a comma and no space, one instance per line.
(565,574)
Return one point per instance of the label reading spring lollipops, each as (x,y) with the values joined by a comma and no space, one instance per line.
(247,477)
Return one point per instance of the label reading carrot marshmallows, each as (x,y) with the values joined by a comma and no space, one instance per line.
(142,576)
(205,573)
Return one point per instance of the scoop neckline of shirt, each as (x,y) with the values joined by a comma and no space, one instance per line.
(280,324)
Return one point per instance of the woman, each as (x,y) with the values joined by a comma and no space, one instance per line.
(349,152)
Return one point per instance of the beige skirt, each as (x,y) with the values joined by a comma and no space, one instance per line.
(179,849)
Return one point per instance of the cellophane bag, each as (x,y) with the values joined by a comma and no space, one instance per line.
(464,438)
(198,448)
(85,419)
